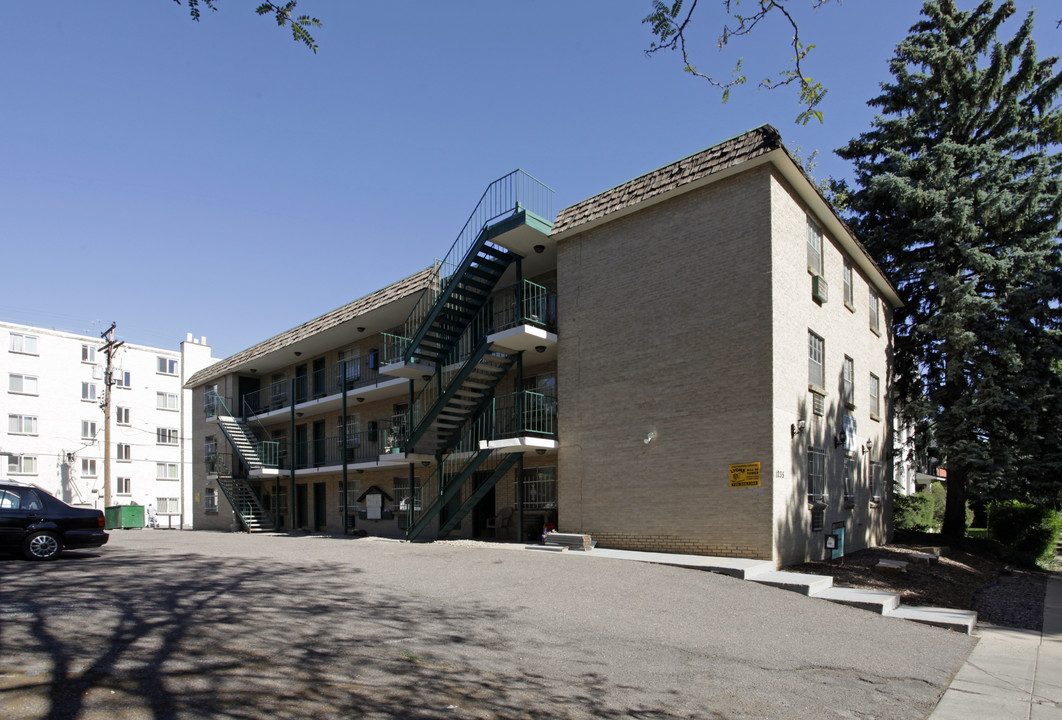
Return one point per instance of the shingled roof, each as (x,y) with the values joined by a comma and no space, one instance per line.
(728,153)
(395,291)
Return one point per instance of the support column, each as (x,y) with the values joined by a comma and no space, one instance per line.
(343,448)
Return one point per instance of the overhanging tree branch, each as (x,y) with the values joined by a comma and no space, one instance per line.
(669,27)
(283,13)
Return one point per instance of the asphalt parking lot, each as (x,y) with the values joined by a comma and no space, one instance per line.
(175,625)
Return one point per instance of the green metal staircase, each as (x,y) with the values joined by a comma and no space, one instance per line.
(447,333)
(254,454)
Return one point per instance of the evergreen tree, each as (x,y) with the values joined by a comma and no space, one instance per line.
(959,194)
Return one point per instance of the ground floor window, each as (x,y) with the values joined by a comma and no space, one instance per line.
(210,500)
(169,506)
(540,488)
(816,475)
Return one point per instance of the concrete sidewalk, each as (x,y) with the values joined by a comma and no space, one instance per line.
(1011,673)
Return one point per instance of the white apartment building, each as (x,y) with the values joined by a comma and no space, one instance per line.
(55,432)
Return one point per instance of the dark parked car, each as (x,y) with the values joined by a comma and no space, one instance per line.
(42,526)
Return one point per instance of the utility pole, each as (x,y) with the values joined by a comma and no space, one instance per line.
(109,347)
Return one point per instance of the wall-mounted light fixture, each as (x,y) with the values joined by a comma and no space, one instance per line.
(540,348)
(425,463)
(298,353)
(869,446)
(425,378)
(540,249)
(361,399)
(797,428)
(838,441)
(298,414)
(540,451)
(361,329)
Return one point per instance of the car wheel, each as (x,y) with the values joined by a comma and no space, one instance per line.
(42,546)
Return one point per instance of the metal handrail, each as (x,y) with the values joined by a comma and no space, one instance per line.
(267,450)
(520,414)
(506,196)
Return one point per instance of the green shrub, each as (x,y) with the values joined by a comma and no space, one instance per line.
(913,512)
(1030,531)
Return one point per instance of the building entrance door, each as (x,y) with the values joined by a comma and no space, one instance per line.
(320,506)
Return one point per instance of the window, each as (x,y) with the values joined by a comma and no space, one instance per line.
(353,360)
(88,467)
(125,452)
(22,424)
(850,465)
(122,415)
(168,506)
(166,436)
(167,366)
(22,384)
(353,429)
(875,482)
(25,344)
(210,446)
(88,392)
(848,384)
(88,429)
(847,280)
(818,404)
(121,379)
(540,488)
(278,391)
(166,471)
(125,486)
(816,475)
(814,248)
(22,465)
(816,351)
(88,354)
(167,401)
(210,500)
(875,395)
(818,520)
(875,318)
(210,401)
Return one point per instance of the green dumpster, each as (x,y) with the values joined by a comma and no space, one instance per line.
(122,517)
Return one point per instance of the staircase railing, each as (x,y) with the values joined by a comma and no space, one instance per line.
(504,197)
(268,451)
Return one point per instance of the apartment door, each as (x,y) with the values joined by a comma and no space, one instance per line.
(301,516)
(319,380)
(320,506)
(301,383)
(301,446)
(483,514)
(247,390)
(319,445)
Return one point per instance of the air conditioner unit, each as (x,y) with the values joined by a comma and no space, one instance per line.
(820,291)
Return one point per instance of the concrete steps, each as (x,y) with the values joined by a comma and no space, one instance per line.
(817,586)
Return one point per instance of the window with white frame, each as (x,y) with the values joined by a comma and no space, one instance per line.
(848,382)
(22,465)
(88,429)
(88,467)
(166,471)
(166,366)
(88,392)
(168,505)
(22,424)
(814,248)
(875,397)
(125,452)
(210,446)
(210,400)
(25,344)
(875,315)
(122,379)
(875,481)
(167,401)
(816,475)
(210,500)
(166,436)
(846,278)
(22,384)
(88,354)
(122,415)
(851,464)
(816,355)
(124,486)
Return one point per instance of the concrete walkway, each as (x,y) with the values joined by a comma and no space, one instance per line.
(1011,673)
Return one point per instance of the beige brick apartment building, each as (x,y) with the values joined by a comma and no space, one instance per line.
(697,360)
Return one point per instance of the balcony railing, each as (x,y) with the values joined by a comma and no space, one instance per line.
(521,414)
(503,198)
(361,447)
(349,375)
(523,303)
(221,464)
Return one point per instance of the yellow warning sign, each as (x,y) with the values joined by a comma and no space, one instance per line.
(745,475)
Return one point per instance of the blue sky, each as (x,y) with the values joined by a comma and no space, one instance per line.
(218,178)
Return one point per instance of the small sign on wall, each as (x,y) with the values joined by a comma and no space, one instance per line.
(745,475)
